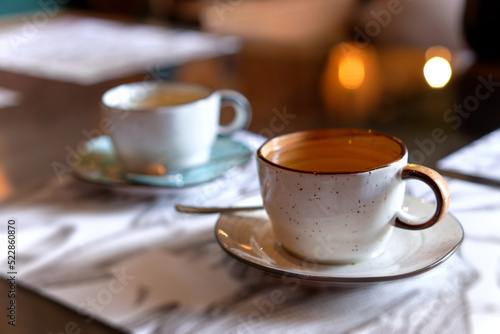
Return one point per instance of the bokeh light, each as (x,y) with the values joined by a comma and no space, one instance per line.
(437,72)
(351,71)
(438,51)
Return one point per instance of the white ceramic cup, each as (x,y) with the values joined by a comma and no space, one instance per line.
(159,128)
(345,213)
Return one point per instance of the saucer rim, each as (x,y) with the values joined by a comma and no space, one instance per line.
(350,280)
(145,187)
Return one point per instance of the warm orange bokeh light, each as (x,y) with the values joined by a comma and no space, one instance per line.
(351,71)
(438,51)
(5,187)
(350,83)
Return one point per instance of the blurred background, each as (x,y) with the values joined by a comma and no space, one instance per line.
(424,71)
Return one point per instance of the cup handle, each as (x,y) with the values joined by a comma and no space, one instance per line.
(438,185)
(242,111)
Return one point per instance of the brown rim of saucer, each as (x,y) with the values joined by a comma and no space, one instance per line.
(311,134)
(131,85)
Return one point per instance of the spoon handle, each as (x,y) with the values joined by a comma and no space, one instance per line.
(196,209)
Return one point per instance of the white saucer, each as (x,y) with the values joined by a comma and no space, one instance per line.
(100,167)
(248,237)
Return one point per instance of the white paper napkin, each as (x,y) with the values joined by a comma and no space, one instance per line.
(480,158)
(88,50)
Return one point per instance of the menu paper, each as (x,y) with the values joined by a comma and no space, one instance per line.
(87,50)
(479,158)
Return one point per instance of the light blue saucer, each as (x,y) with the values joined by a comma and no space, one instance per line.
(100,166)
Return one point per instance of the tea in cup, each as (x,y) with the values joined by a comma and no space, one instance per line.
(335,195)
(161,128)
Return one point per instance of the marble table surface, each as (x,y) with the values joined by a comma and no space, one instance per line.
(134,263)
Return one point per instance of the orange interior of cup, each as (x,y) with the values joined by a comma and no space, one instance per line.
(332,151)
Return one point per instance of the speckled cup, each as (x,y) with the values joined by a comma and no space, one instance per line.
(341,216)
